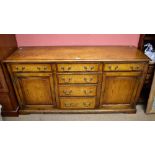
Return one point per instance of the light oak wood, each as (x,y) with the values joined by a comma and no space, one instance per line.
(77,78)
(119,89)
(77,54)
(34,88)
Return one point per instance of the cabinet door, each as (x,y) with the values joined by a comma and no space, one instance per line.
(34,88)
(119,88)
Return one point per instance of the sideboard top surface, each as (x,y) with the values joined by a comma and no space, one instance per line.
(77,53)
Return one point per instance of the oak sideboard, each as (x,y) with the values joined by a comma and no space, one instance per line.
(74,79)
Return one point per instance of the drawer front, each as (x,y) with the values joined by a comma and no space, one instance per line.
(77,103)
(30,67)
(65,79)
(123,67)
(77,67)
(77,90)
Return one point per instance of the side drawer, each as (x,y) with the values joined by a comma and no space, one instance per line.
(66,90)
(30,67)
(77,67)
(77,103)
(123,67)
(67,79)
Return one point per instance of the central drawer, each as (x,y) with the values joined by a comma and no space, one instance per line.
(77,90)
(77,67)
(67,79)
(77,103)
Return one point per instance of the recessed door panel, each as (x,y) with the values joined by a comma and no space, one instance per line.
(35,89)
(119,89)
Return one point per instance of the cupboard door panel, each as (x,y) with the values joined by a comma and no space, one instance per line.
(119,89)
(35,89)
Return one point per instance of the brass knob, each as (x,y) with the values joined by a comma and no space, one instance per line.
(68,104)
(62,68)
(116,67)
(92,67)
(23,68)
(86,80)
(69,68)
(86,104)
(67,92)
(109,67)
(88,92)
(45,68)
(67,81)
(88,69)
(131,67)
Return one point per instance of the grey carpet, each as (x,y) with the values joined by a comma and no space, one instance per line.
(139,116)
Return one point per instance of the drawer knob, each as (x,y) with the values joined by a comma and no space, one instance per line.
(89,68)
(67,81)
(131,67)
(86,104)
(70,104)
(137,67)
(45,68)
(88,92)
(67,92)
(23,68)
(86,80)
(116,67)
(69,68)
(109,67)
(62,68)
(92,67)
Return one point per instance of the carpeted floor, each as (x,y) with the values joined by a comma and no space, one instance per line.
(139,116)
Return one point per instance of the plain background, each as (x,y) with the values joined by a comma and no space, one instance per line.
(77,17)
(77,39)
